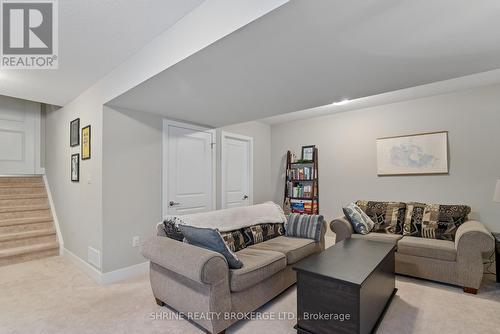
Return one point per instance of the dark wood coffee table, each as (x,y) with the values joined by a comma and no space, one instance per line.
(345,289)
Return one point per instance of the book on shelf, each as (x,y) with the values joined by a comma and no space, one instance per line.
(299,190)
(304,173)
(303,206)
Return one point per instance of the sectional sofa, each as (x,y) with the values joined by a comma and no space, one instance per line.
(457,260)
(194,280)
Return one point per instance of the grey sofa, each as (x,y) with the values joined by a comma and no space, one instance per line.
(458,262)
(192,279)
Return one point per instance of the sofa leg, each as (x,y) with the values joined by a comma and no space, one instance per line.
(159,302)
(470,290)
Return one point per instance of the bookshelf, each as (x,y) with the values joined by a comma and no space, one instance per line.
(301,193)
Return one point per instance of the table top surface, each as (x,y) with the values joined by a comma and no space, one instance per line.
(350,261)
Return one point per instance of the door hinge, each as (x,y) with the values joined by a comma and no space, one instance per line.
(212,145)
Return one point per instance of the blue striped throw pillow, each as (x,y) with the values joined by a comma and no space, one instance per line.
(304,226)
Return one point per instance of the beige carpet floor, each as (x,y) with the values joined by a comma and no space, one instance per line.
(52,296)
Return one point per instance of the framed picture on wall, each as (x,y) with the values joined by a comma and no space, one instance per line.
(417,154)
(86,142)
(75,167)
(74,132)
(307,153)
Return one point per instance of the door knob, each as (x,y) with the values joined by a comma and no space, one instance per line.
(245,197)
(172,203)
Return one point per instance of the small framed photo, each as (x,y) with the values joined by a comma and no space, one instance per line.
(75,167)
(308,153)
(86,142)
(74,132)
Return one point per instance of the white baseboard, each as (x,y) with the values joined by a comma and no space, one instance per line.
(109,277)
(125,273)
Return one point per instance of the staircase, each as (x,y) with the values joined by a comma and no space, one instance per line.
(27,230)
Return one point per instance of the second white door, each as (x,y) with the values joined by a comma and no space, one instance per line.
(237,170)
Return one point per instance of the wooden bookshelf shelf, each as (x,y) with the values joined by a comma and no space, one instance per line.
(302,163)
(304,198)
(302,185)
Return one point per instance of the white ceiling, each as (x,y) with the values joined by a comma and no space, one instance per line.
(472,81)
(310,53)
(95,36)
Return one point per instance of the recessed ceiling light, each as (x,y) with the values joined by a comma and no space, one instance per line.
(341,103)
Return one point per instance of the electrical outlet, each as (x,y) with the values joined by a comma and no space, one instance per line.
(136,241)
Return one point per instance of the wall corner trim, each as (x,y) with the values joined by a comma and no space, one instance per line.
(83,265)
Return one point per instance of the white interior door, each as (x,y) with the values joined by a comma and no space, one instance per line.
(188,169)
(237,170)
(19,136)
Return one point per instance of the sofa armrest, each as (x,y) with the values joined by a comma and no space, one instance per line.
(196,263)
(342,228)
(472,236)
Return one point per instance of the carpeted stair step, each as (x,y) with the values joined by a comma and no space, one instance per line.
(24,214)
(25,238)
(28,252)
(27,229)
(4,191)
(24,208)
(24,221)
(22,202)
(22,196)
(43,225)
(20,179)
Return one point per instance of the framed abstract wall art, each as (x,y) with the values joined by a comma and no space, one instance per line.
(417,154)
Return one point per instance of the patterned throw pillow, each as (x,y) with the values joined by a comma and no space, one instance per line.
(172,230)
(304,226)
(270,231)
(253,235)
(388,216)
(259,233)
(360,222)
(442,221)
(413,219)
(234,240)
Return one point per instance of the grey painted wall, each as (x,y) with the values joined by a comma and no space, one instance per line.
(132,161)
(77,204)
(132,179)
(347,152)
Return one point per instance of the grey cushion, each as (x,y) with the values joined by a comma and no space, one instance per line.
(304,226)
(257,266)
(211,239)
(359,220)
(381,237)
(294,249)
(430,248)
